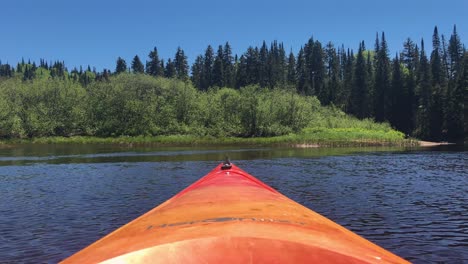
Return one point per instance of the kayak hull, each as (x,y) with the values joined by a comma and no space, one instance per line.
(231,216)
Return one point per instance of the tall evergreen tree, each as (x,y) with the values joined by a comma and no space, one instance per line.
(121,66)
(241,74)
(207,78)
(303,85)
(229,73)
(424,93)
(398,114)
(153,66)
(382,81)
(456,100)
(263,70)
(438,88)
(333,74)
(137,65)
(360,90)
(218,68)
(181,64)
(410,60)
(170,70)
(197,72)
(291,69)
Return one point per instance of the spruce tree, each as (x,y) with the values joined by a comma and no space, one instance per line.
(360,91)
(241,74)
(333,74)
(398,98)
(424,94)
(229,73)
(181,64)
(456,100)
(382,81)
(170,70)
(121,66)
(197,72)
(218,68)
(291,69)
(438,88)
(207,78)
(153,66)
(137,65)
(263,70)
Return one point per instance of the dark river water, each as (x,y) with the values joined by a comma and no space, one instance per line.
(55,200)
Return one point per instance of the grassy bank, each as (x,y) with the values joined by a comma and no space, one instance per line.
(311,137)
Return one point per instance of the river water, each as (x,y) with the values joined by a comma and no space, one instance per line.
(56,199)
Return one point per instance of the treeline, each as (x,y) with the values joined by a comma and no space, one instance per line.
(139,104)
(422,95)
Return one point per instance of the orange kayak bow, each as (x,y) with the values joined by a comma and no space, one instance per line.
(229,216)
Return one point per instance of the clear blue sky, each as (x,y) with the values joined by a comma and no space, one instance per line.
(96,32)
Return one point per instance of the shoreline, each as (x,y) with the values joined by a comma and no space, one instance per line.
(292,141)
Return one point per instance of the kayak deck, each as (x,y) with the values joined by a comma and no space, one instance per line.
(231,216)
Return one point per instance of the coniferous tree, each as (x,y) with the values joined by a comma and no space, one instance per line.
(252,65)
(218,69)
(170,70)
(303,85)
(121,66)
(398,98)
(241,74)
(137,65)
(360,91)
(207,78)
(153,66)
(438,87)
(424,93)
(410,60)
(228,67)
(333,74)
(291,69)
(348,76)
(197,72)
(263,70)
(456,101)
(181,64)
(382,81)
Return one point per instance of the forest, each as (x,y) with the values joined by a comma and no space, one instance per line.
(261,93)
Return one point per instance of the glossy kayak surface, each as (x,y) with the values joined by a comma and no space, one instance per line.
(229,216)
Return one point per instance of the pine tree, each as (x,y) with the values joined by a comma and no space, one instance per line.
(121,66)
(241,74)
(410,60)
(333,74)
(360,91)
(207,78)
(229,73)
(398,98)
(382,81)
(424,93)
(291,69)
(252,65)
(218,69)
(263,70)
(153,66)
(303,85)
(197,72)
(137,65)
(181,64)
(170,70)
(456,100)
(438,88)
